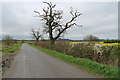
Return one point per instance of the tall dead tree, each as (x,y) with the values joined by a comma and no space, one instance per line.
(36,34)
(52,19)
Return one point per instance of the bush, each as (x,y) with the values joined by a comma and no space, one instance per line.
(8,40)
(44,44)
(63,47)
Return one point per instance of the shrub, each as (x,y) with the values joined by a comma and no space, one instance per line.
(8,40)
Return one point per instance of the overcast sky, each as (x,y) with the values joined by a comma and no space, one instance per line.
(99,19)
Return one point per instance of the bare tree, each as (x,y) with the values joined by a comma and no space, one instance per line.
(8,40)
(91,38)
(52,19)
(36,34)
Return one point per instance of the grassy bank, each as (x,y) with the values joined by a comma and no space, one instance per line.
(102,69)
(12,48)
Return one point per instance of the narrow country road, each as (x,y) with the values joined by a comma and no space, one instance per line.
(31,63)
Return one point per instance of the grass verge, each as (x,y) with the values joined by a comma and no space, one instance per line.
(101,69)
(12,49)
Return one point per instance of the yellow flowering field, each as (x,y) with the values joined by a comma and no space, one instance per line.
(99,42)
(107,44)
(25,41)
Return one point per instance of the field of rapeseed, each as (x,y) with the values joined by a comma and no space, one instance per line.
(100,42)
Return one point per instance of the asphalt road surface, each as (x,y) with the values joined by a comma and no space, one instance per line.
(32,63)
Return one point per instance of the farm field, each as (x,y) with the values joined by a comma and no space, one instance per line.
(100,42)
(73,42)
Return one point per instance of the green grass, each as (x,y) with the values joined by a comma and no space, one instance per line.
(101,69)
(12,48)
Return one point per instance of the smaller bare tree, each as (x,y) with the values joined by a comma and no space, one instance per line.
(91,38)
(36,34)
(8,40)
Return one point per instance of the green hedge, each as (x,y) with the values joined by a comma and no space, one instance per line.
(102,69)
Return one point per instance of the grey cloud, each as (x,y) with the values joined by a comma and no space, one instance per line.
(99,18)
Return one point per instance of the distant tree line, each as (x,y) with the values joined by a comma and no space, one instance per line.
(112,41)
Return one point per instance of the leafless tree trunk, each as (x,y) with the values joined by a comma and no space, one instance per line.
(52,19)
(36,35)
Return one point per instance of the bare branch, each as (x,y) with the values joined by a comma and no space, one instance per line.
(49,4)
(36,34)
(37,13)
(52,19)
